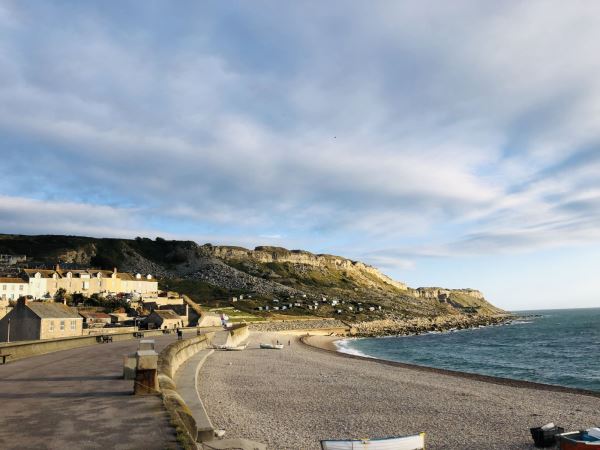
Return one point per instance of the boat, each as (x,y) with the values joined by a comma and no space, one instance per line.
(272,346)
(231,347)
(235,348)
(413,442)
(580,440)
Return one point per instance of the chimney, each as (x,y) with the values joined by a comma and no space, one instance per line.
(65,301)
(57,268)
(21,302)
(115,270)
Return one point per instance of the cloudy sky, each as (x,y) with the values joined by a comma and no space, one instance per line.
(448,143)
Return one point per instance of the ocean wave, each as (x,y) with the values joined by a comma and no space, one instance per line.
(343,346)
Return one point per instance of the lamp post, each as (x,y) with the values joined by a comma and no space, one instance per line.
(8,332)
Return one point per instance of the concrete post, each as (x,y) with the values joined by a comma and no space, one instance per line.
(146,376)
(129,365)
(146,344)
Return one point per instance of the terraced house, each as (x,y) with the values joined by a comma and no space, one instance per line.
(12,288)
(44,283)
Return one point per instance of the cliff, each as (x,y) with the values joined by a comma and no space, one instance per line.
(210,273)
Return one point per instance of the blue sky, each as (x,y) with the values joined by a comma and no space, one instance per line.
(447,144)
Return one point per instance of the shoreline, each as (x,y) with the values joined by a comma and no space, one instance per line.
(327,344)
(294,397)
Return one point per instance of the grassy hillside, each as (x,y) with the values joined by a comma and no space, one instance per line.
(267,276)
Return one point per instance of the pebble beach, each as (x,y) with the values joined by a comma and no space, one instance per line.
(293,398)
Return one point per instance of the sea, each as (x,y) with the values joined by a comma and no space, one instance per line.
(559,347)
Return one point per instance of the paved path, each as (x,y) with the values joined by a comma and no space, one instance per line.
(77,399)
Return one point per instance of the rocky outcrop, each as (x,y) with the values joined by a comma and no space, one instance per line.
(267,255)
(220,274)
(441,293)
(418,325)
(287,325)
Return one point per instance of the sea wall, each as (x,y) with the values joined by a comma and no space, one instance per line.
(26,349)
(237,334)
(169,361)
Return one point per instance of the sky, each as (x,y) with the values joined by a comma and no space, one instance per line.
(451,144)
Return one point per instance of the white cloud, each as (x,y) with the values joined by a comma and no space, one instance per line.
(393,121)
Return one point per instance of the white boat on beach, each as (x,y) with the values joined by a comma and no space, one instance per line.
(414,442)
(231,347)
(272,346)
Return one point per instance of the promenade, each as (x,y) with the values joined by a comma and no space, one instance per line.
(77,399)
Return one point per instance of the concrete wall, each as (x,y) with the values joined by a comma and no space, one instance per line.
(172,357)
(237,335)
(209,320)
(19,350)
(169,361)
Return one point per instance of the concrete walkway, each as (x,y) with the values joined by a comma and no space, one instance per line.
(186,380)
(77,399)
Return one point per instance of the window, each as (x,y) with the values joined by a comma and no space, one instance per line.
(52,325)
(20,287)
(73,324)
(62,325)
(86,285)
(3,287)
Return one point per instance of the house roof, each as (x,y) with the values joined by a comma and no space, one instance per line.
(166,314)
(62,273)
(49,310)
(94,315)
(12,280)
(45,273)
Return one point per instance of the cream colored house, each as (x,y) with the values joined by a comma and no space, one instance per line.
(31,320)
(44,283)
(13,288)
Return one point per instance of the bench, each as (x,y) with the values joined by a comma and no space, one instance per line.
(104,339)
(4,357)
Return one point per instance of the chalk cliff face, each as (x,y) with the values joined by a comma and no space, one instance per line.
(265,254)
(265,272)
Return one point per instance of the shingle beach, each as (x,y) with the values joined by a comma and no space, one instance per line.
(292,398)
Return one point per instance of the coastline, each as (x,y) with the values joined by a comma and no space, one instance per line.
(327,344)
(293,397)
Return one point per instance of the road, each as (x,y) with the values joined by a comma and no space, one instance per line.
(77,399)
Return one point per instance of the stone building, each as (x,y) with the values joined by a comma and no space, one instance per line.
(30,320)
(164,319)
(92,319)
